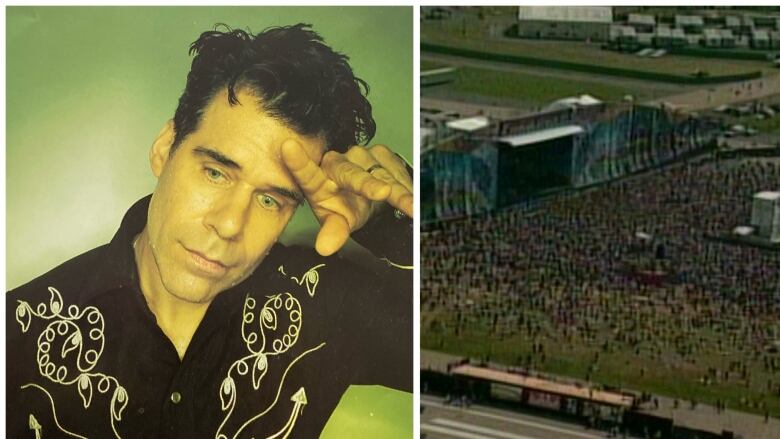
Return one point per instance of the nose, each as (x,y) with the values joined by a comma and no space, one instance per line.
(229,213)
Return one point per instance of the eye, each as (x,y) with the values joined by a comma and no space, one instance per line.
(214,175)
(268,202)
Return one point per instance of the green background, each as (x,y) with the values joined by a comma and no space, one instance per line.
(87,91)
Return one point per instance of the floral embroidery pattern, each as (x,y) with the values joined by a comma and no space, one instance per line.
(68,349)
(311,278)
(271,331)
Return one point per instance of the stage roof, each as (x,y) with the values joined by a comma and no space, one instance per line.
(542,135)
(469,124)
(767,195)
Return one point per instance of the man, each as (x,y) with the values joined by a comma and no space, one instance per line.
(193,322)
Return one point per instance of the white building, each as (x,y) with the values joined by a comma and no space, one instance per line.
(765,216)
(564,22)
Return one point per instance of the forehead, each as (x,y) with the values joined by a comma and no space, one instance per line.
(247,132)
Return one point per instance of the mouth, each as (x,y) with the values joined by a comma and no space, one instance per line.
(212,267)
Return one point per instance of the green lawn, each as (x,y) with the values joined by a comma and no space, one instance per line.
(428,65)
(617,367)
(527,88)
(771,125)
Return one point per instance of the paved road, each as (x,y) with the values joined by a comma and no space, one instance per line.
(724,94)
(440,421)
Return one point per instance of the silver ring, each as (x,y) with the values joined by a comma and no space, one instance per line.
(374,167)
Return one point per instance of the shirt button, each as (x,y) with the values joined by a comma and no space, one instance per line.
(175,397)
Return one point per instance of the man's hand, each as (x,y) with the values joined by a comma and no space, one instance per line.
(342,194)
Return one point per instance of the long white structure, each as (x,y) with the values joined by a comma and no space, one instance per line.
(765,216)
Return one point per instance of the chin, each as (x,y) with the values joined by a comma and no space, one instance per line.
(196,299)
(195,291)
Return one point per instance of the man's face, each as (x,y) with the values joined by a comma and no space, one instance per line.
(222,199)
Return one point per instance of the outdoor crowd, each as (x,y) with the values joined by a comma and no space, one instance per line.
(632,269)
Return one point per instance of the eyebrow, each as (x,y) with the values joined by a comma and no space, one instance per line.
(230,163)
(217,156)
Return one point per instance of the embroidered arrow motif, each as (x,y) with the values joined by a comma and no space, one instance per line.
(299,398)
(35,426)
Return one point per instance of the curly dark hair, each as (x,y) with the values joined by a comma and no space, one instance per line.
(299,80)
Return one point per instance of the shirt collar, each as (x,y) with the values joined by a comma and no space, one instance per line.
(118,267)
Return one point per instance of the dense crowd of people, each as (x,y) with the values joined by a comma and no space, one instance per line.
(632,269)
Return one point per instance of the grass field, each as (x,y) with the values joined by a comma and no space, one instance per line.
(427,65)
(619,368)
(771,125)
(467,30)
(529,89)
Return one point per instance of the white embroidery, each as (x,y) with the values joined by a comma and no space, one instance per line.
(34,425)
(393,264)
(299,400)
(264,338)
(312,279)
(87,351)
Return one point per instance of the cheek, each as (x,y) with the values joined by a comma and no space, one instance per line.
(181,199)
(262,233)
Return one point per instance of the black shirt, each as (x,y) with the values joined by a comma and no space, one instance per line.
(273,355)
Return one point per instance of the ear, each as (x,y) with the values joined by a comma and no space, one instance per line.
(161,148)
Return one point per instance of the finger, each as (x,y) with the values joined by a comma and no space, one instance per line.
(307,174)
(353,178)
(393,168)
(333,233)
(402,199)
(393,163)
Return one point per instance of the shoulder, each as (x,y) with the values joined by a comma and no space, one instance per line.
(73,279)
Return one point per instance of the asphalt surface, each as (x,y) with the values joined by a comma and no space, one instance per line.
(440,421)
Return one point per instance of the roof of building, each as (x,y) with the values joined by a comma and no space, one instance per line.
(712,34)
(688,20)
(587,14)
(545,385)
(469,124)
(732,21)
(541,135)
(617,30)
(760,35)
(641,19)
(693,39)
(767,195)
(581,100)
(644,38)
